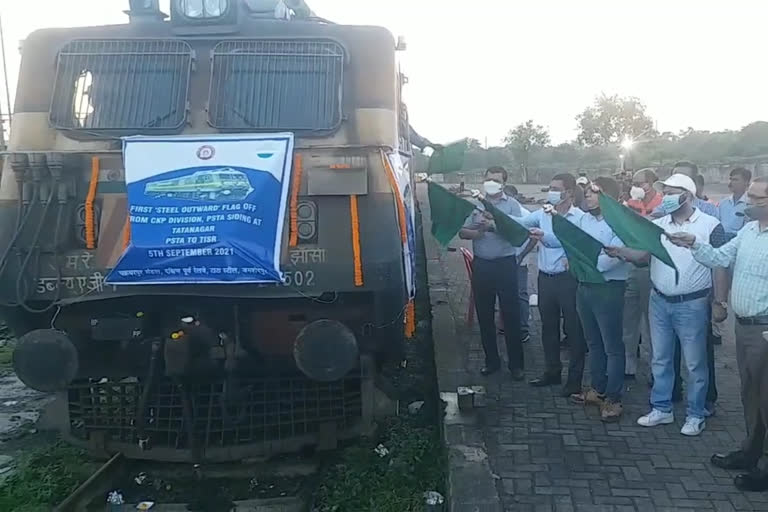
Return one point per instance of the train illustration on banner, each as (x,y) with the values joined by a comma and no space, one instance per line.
(214,185)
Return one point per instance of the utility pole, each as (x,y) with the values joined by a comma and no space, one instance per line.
(7,89)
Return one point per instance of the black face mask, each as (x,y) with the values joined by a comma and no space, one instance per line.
(756,212)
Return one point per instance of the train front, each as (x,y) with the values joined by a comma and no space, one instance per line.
(207,229)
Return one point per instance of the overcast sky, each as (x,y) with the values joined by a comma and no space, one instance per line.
(479,68)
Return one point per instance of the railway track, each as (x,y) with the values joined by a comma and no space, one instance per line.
(97,485)
(281,486)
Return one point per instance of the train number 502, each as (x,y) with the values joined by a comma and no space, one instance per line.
(306,278)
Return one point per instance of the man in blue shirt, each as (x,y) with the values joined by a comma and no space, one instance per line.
(731,209)
(494,274)
(557,288)
(601,309)
(747,254)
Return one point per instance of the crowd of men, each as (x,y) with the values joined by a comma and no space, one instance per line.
(719,251)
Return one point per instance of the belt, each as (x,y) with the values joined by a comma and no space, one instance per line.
(547,274)
(503,258)
(753,320)
(614,283)
(677,299)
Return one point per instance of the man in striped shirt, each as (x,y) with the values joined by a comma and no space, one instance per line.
(748,253)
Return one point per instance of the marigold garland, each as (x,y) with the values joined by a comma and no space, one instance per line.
(410,320)
(355,217)
(90,220)
(298,169)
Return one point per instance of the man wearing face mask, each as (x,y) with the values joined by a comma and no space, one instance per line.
(747,253)
(494,274)
(644,199)
(600,307)
(718,310)
(557,288)
(679,306)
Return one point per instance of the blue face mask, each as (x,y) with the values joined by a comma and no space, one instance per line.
(671,203)
(554,197)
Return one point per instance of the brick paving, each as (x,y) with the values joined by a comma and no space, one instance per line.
(546,454)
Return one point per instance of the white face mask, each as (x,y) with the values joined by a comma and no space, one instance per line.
(637,193)
(492,188)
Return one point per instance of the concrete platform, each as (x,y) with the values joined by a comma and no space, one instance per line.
(528,449)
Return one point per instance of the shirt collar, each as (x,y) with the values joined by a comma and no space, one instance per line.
(742,199)
(693,218)
(571,212)
(503,197)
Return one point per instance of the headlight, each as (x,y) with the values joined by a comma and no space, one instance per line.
(203,9)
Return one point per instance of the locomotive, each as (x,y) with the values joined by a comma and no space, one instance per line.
(195,371)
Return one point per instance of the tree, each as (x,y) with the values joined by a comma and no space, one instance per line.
(525,139)
(612,118)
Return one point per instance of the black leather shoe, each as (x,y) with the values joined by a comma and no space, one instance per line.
(546,380)
(756,481)
(733,460)
(487,371)
(569,390)
(517,374)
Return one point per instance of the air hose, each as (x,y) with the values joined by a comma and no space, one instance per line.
(34,250)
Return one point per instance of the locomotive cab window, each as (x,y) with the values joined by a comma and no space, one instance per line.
(277,85)
(121,85)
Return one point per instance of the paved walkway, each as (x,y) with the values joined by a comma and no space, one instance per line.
(528,449)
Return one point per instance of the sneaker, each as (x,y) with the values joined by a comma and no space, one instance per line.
(611,411)
(590,397)
(693,426)
(656,418)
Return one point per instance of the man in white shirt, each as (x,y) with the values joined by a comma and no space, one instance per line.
(679,306)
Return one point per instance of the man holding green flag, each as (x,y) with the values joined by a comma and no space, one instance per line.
(601,307)
(494,271)
(679,305)
(557,288)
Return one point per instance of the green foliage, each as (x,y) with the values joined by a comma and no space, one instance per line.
(523,140)
(611,118)
(43,479)
(363,481)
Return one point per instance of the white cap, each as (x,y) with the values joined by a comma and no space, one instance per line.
(677,181)
(583,180)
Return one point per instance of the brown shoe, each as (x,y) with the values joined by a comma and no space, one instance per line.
(590,397)
(611,411)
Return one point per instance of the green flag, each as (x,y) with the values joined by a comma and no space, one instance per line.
(581,249)
(634,230)
(511,231)
(448,212)
(449,158)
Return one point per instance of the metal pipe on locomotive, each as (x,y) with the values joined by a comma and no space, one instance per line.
(190,372)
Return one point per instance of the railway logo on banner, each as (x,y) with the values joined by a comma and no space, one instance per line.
(205,210)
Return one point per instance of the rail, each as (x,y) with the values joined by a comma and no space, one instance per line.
(98,484)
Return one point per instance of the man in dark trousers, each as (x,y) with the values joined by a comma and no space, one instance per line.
(494,274)
(557,288)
